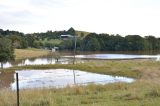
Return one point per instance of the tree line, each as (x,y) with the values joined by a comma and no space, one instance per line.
(106,42)
(90,42)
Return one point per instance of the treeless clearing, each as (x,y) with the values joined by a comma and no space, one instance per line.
(30,53)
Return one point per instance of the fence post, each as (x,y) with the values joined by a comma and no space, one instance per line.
(17,83)
(74,77)
(75,44)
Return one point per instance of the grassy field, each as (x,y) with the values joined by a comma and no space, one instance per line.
(145,91)
(121,68)
(30,53)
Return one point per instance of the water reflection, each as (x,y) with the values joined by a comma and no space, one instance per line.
(115,56)
(62,77)
(68,59)
(37,61)
(158,58)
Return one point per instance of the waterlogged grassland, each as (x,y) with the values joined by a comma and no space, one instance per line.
(129,68)
(145,91)
(30,53)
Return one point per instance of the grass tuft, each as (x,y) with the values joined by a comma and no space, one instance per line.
(155,92)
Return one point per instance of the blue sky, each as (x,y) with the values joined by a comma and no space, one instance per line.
(101,16)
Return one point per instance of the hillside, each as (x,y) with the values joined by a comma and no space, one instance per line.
(81,33)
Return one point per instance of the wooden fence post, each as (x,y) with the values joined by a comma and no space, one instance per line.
(17,83)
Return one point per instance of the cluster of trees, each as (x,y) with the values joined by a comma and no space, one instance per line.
(106,42)
(6,50)
(90,42)
(18,39)
(21,40)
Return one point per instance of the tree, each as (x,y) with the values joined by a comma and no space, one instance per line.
(154,42)
(18,41)
(30,40)
(90,43)
(71,31)
(134,42)
(67,44)
(6,50)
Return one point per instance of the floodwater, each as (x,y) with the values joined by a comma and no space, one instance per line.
(57,78)
(37,61)
(69,59)
(116,56)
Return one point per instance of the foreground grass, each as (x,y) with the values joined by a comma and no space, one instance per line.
(119,94)
(30,53)
(145,91)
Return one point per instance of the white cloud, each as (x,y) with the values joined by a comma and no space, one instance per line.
(101,16)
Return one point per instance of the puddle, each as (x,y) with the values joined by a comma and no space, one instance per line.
(58,78)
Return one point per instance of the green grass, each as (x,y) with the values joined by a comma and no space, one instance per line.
(52,41)
(118,94)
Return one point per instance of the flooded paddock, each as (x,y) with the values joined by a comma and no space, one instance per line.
(58,78)
(116,56)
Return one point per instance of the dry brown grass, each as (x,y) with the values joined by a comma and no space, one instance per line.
(30,53)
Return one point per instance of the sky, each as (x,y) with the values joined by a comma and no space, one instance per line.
(124,17)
